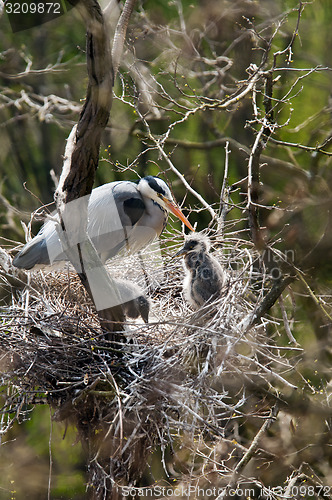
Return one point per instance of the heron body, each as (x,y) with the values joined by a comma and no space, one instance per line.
(121,215)
(205,279)
(133,301)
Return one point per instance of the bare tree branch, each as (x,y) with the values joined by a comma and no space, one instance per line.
(120,35)
(81,161)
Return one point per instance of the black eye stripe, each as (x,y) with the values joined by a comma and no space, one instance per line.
(154,185)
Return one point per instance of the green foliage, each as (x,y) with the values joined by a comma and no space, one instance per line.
(35,443)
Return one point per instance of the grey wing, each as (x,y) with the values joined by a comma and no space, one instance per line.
(33,253)
(105,227)
(114,211)
(44,249)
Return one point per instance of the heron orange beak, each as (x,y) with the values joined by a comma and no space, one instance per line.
(176,211)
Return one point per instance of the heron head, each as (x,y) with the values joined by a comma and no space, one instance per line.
(157,190)
(196,243)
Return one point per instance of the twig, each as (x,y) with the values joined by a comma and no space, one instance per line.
(224,193)
(177,172)
(313,149)
(255,443)
(293,38)
(270,371)
(253,190)
(283,165)
(184,181)
(320,490)
(254,163)
(313,296)
(286,322)
(250,452)
(120,35)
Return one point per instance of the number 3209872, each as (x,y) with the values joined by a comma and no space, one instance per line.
(33,8)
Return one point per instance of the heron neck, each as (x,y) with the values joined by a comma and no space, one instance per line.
(151,207)
(156,215)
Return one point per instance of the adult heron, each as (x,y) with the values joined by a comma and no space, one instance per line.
(121,215)
(205,279)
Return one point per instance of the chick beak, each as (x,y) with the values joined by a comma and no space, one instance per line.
(177,212)
(181,252)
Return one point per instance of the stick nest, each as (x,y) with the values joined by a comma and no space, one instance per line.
(184,373)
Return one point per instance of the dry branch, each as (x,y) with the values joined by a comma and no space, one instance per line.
(248,455)
(120,35)
(95,113)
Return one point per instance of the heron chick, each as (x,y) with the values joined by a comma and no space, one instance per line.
(133,301)
(205,278)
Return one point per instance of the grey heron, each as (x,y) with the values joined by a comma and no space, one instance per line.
(121,215)
(205,279)
(133,301)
